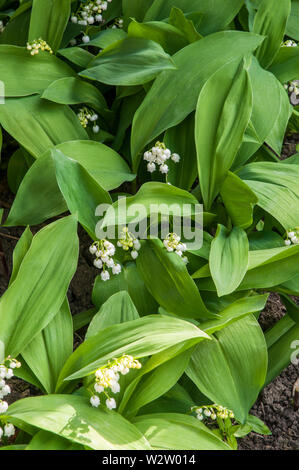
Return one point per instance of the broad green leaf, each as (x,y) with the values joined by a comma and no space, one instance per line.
(131,61)
(158,382)
(167,35)
(167,279)
(38,197)
(45,440)
(16,170)
(169,90)
(292,25)
(266,268)
(47,353)
(130,280)
(220,125)
(71,90)
(77,56)
(239,200)
(20,251)
(235,311)
(80,190)
(169,431)
(106,166)
(278,201)
(231,369)
(73,418)
(228,259)
(152,198)
(135,9)
(140,338)
(270,21)
(181,140)
(119,308)
(40,124)
(178,19)
(217,14)
(106,38)
(49,19)
(43,279)
(37,71)
(281,174)
(286,64)
(266,89)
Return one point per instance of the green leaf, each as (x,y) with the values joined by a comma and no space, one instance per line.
(270,21)
(169,431)
(217,14)
(228,259)
(73,418)
(44,440)
(235,311)
(169,90)
(80,190)
(158,382)
(135,8)
(43,280)
(278,201)
(286,64)
(49,19)
(131,61)
(106,166)
(181,139)
(167,35)
(38,72)
(16,170)
(77,56)
(239,200)
(106,38)
(47,353)
(292,25)
(20,251)
(119,308)
(71,90)
(167,279)
(220,125)
(231,369)
(43,124)
(129,280)
(178,19)
(38,197)
(152,198)
(140,338)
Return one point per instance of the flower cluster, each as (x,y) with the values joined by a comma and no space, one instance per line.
(38,44)
(2,27)
(159,155)
(90,12)
(290,43)
(212,412)
(104,250)
(6,373)
(108,377)
(85,116)
(173,243)
(119,24)
(128,242)
(292,237)
(293,90)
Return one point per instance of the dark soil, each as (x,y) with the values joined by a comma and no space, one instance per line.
(274,405)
